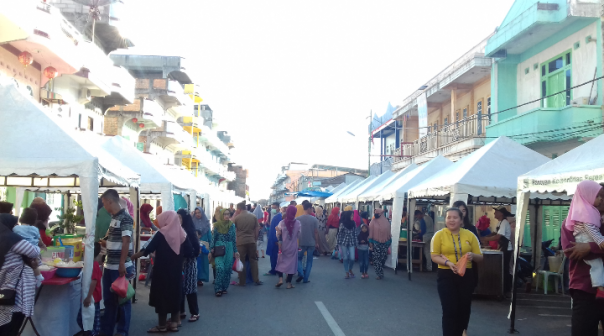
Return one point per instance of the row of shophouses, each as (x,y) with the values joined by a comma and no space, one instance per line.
(506,86)
(73,61)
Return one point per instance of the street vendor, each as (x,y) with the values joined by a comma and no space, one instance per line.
(503,236)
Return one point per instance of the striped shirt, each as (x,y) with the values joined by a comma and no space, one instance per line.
(12,269)
(121,226)
(591,230)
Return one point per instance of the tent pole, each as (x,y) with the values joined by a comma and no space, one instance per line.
(410,209)
(135,198)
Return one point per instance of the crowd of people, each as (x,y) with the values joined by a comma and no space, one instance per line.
(186,244)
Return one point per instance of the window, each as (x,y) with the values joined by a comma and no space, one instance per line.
(436,126)
(446,121)
(479,114)
(90,124)
(556,77)
(457,115)
(80,120)
(465,113)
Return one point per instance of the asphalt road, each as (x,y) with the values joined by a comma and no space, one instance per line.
(394,306)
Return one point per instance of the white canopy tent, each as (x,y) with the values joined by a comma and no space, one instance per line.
(40,154)
(353,197)
(557,177)
(373,193)
(334,198)
(397,191)
(155,179)
(363,185)
(490,173)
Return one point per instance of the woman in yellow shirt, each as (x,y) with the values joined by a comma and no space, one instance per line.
(447,247)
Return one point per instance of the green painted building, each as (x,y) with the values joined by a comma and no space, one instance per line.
(542,51)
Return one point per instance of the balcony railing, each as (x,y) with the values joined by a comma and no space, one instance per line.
(470,127)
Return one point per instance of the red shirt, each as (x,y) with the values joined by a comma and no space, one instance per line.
(578,270)
(97,274)
(45,239)
(265,221)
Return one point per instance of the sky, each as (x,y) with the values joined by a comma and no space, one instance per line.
(289,79)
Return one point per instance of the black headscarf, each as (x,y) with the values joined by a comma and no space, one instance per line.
(345,219)
(363,236)
(189,227)
(7,237)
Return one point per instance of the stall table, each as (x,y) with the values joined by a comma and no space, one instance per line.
(415,245)
(55,312)
(490,274)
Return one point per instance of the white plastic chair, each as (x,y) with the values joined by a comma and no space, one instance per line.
(558,277)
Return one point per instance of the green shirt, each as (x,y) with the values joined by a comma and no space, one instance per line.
(103,218)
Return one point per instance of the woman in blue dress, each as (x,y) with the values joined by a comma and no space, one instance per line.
(223,234)
(202,226)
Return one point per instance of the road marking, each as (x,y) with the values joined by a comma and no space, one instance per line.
(549,315)
(335,328)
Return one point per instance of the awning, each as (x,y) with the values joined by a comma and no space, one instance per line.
(353,196)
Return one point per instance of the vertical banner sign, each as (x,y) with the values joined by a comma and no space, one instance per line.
(422,112)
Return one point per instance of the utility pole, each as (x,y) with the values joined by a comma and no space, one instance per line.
(369,144)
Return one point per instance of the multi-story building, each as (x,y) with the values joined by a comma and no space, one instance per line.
(547,55)
(387,131)
(299,176)
(448,115)
(541,51)
(239,185)
(168,120)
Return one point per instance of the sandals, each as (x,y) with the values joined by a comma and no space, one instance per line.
(157,330)
(224,292)
(351,275)
(290,286)
(194,318)
(279,284)
(347,276)
(219,294)
(182,316)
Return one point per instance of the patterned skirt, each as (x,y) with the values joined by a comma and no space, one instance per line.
(190,276)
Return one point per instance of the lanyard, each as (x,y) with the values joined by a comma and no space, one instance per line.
(459,241)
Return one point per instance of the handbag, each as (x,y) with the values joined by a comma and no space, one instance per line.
(219,251)
(9,296)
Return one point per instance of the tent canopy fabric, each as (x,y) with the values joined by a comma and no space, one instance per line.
(372,193)
(492,170)
(353,196)
(351,191)
(35,144)
(338,188)
(566,171)
(334,198)
(154,178)
(400,186)
(318,194)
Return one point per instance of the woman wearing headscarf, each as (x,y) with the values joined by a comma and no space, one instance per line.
(170,245)
(357,218)
(189,287)
(272,246)
(299,210)
(289,230)
(217,214)
(348,208)
(202,225)
(15,275)
(323,245)
(259,213)
(128,205)
(145,219)
(224,236)
(333,223)
(380,238)
(347,241)
(6,207)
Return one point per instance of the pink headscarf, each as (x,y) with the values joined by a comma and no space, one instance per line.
(290,218)
(357,218)
(130,206)
(379,228)
(582,208)
(170,228)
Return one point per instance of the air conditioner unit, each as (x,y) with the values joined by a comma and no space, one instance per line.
(581,101)
(85,96)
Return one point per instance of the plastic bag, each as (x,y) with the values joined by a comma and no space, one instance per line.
(129,294)
(120,286)
(238,266)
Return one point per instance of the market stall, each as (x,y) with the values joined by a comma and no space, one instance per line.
(333,199)
(51,158)
(363,185)
(558,177)
(487,176)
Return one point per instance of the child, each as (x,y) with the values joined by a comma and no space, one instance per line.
(94,293)
(363,248)
(31,234)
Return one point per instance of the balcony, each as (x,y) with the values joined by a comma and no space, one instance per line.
(169,92)
(172,135)
(107,27)
(148,112)
(42,30)
(453,141)
(209,138)
(122,87)
(191,124)
(550,124)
